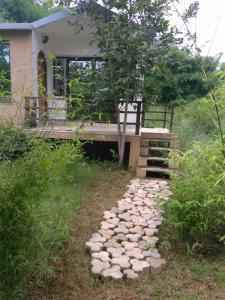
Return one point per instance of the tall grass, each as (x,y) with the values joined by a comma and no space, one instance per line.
(39,192)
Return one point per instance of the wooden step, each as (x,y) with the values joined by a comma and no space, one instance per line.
(142,171)
(157,158)
(143,160)
(161,149)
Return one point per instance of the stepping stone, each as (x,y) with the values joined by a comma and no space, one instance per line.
(114,272)
(94,247)
(151,241)
(116,252)
(102,255)
(133,237)
(137,229)
(106,225)
(112,243)
(98,266)
(122,261)
(139,265)
(156,264)
(107,234)
(125,217)
(135,253)
(150,232)
(152,253)
(121,229)
(120,237)
(130,274)
(114,221)
(153,224)
(109,215)
(129,245)
(97,238)
(127,224)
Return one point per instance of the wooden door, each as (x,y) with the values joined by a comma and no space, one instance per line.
(42,86)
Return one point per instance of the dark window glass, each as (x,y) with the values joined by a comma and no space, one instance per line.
(68,72)
(5,80)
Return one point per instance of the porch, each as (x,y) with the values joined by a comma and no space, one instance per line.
(143,124)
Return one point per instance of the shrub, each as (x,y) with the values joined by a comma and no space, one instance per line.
(196,121)
(27,235)
(13,142)
(196,210)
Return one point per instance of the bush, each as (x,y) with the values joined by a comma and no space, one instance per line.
(28,235)
(196,121)
(196,210)
(13,142)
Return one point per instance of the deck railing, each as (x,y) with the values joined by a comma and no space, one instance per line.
(153,116)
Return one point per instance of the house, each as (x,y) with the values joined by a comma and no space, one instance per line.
(38,59)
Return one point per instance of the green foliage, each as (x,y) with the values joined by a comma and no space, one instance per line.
(38,191)
(197,121)
(196,210)
(178,77)
(13,142)
(22,11)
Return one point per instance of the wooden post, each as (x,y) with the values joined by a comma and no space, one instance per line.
(172,117)
(165,117)
(138,119)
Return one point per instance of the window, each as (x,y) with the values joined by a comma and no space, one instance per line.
(5,82)
(68,70)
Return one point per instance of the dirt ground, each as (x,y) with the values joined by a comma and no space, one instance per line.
(183,278)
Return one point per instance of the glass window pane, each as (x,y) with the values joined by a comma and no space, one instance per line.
(60,77)
(5,80)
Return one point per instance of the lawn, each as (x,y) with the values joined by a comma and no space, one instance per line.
(183,278)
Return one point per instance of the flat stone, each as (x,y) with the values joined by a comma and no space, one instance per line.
(138,221)
(94,247)
(156,264)
(102,255)
(139,265)
(150,232)
(108,215)
(151,241)
(112,243)
(129,245)
(122,261)
(120,237)
(98,266)
(97,238)
(127,224)
(126,217)
(133,237)
(116,252)
(152,253)
(153,224)
(121,229)
(137,229)
(114,221)
(114,272)
(130,274)
(135,253)
(106,225)
(107,234)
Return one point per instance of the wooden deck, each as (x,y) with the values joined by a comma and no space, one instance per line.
(96,132)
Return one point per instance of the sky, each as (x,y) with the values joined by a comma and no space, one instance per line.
(210,26)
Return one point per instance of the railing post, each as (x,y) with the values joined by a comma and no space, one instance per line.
(165,117)
(138,118)
(172,117)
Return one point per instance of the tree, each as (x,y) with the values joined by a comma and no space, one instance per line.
(21,11)
(131,36)
(178,77)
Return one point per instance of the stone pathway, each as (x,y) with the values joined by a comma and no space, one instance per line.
(125,245)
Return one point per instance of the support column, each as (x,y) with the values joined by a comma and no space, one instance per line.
(134,152)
